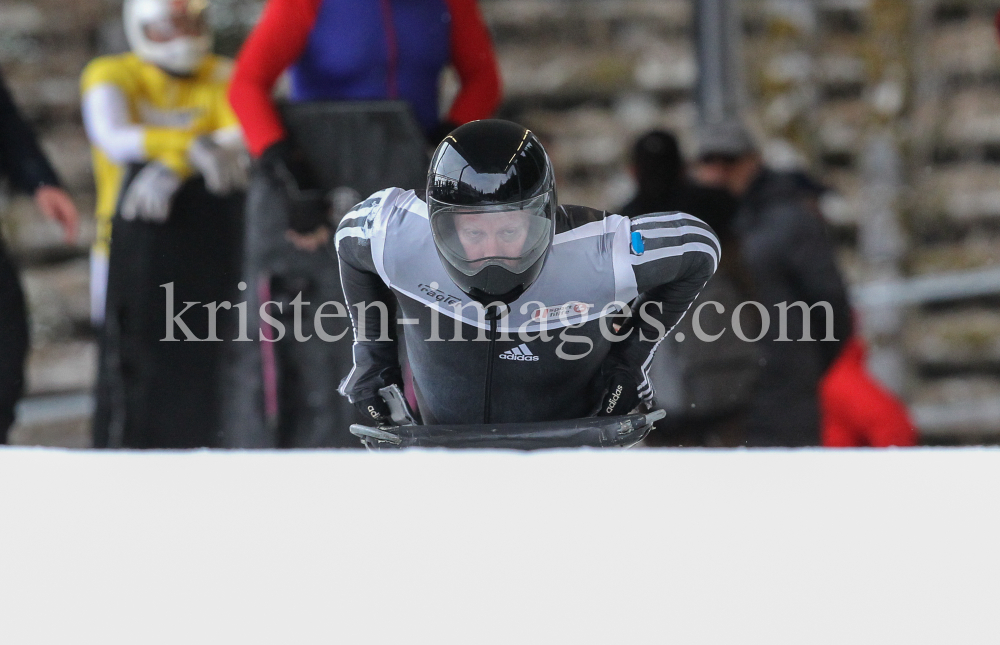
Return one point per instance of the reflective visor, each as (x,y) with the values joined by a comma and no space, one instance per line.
(179,25)
(513,236)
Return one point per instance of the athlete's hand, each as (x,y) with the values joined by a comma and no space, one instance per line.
(149,195)
(56,204)
(223,167)
(621,394)
(376,409)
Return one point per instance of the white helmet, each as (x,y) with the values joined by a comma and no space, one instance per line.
(171,34)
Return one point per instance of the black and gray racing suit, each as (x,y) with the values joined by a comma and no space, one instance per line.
(548,357)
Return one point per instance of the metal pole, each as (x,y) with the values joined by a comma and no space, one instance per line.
(719,92)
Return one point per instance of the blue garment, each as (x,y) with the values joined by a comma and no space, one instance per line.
(352,55)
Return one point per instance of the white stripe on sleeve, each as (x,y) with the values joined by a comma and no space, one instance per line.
(653,233)
(351,231)
(670,217)
(673,251)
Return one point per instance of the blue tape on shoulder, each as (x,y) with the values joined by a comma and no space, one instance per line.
(638,246)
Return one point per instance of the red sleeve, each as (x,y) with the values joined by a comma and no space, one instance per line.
(473,58)
(274,45)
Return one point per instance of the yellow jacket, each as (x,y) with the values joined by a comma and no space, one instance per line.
(135,112)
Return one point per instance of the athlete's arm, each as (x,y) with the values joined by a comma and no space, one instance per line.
(679,255)
(376,362)
(473,58)
(275,44)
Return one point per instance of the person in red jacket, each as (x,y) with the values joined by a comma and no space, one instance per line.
(359,50)
(365,50)
(334,50)
(857,411)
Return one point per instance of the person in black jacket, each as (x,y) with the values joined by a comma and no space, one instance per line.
(663,184)
(789,259)
(511,303)
(24,164)
(704,386)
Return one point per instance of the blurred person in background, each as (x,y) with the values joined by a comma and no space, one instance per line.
(856,410)
(170,167)
(344,50)
(335,50)
(704,387)
(163,105)
(25,165)
(663,184)
(789,259)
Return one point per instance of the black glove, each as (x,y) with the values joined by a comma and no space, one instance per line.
(308,203)
(621,394)
(375,408)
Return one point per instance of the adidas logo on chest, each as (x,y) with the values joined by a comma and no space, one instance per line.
(519,353)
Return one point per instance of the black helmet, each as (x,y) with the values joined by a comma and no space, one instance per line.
(491,201)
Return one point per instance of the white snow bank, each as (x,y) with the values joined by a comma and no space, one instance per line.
(641,546)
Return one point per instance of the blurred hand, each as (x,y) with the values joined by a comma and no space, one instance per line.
(224,168)
(56,204)
(306,203)
(309,242)
(149,195)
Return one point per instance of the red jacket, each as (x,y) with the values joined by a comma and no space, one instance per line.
(857,411)
(300,33)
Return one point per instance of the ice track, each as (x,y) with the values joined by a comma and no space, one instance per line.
(640,546)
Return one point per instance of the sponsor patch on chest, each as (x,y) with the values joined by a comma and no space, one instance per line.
(568,310)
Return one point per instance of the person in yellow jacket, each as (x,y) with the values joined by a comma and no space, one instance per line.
(170,168)
(164,105)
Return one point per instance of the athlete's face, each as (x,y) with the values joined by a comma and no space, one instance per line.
(493,235)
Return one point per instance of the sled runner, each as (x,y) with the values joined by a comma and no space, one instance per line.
(594,432)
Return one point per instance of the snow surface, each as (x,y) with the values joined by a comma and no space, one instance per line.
(641,546)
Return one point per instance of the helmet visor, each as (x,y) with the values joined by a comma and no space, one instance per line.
(513,236)
(189,23)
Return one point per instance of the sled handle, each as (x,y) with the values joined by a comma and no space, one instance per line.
(362,431)
(654,416)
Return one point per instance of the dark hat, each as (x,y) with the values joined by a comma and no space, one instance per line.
(657,147)
(725,139)
(657,156)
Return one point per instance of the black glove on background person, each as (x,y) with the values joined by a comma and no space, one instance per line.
(308,204)
(621,394)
